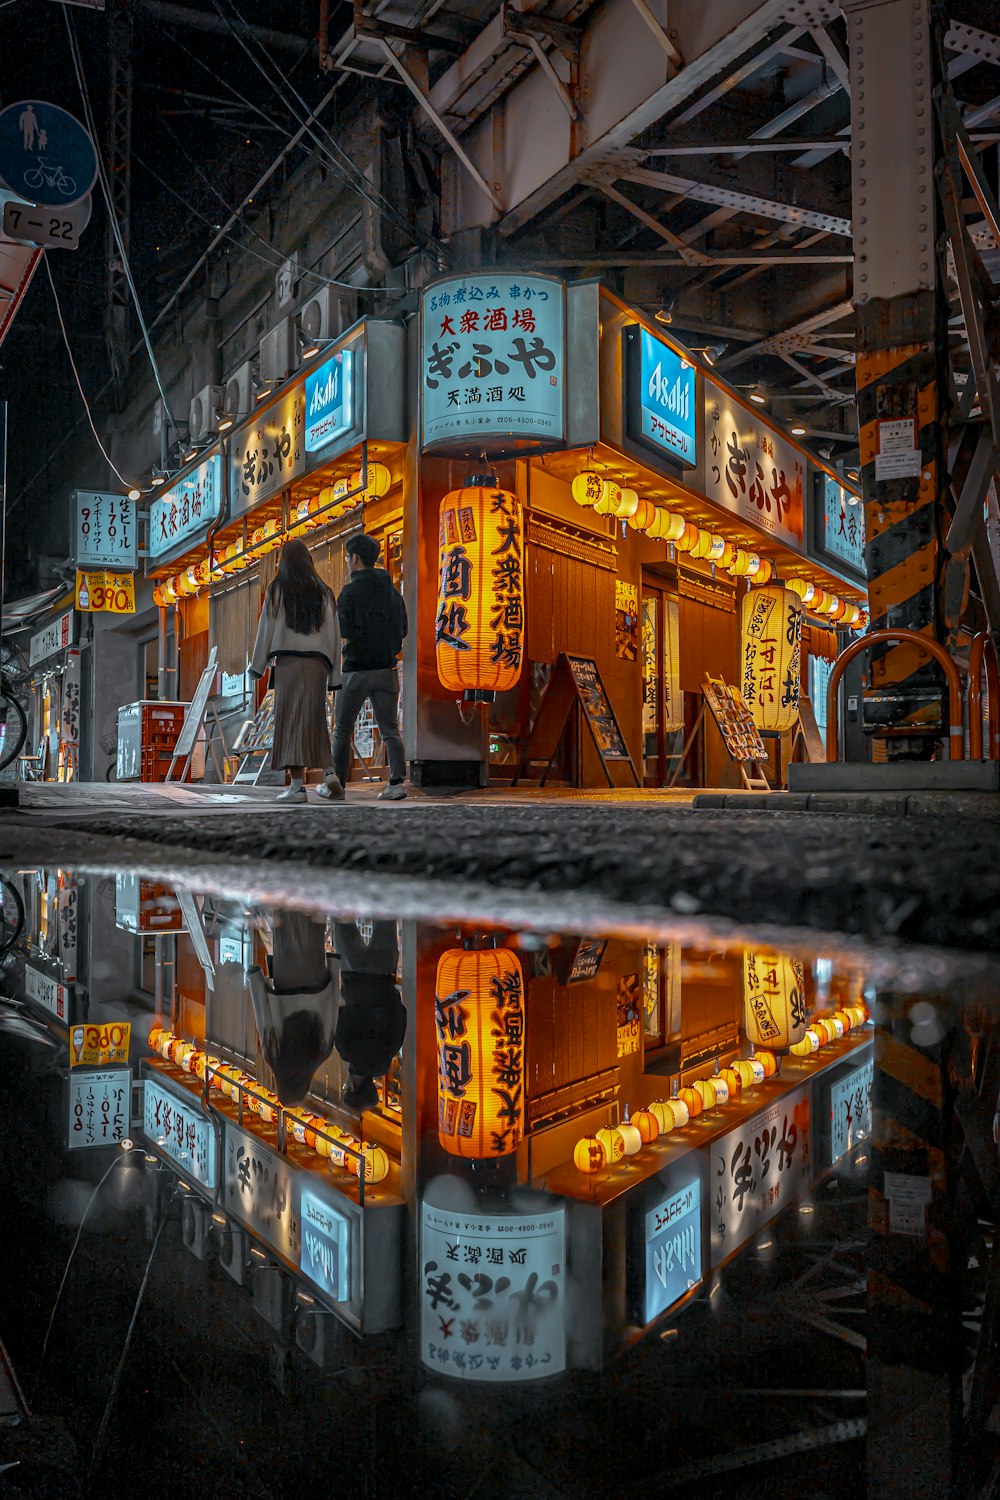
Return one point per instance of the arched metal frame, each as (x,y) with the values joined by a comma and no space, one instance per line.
(956,724)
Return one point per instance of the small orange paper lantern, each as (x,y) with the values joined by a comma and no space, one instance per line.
(645,515)
(647,1124)
(688,538)
(695,1103)
(479,1014)
(479,632)
(733,1082)
(768,1062)
(588,1154)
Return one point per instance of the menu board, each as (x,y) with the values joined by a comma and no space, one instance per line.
(99,1105)
(600,715)
(730,712)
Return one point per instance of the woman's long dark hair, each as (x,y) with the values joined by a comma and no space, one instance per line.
(299,588)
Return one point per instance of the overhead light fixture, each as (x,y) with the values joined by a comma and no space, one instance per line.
(853,474)
(225,419)
(665,314)
(157,477)
(712,352)
(190,453)
(135,493)
(758,396)
(308,346)
(261,387)
(798,430)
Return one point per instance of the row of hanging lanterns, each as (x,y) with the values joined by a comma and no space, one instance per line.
(332,501)
(593,491)
(307,1129)
(830,1029)
(594,1153)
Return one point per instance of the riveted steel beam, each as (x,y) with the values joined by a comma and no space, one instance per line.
(764,208)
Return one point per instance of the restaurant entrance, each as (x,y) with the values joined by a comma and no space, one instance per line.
(662,702)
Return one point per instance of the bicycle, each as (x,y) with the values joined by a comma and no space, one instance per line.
(109,744)
(13,723)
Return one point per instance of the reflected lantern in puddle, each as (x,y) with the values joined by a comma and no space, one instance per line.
(479,1016)
(774,1003)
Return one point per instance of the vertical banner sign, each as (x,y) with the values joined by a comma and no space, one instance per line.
(673,1248)
(106,531)
(751,470)
(492,362)
(99,1105)
(757,1170)
(661,409)
(843,528)
(493,1294)
(69,912)
(850,1110)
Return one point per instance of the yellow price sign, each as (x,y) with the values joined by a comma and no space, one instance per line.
(98,1045)
(104,591)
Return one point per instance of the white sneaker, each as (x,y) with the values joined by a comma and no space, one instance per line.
(331,790)
(292,794)
(394,792)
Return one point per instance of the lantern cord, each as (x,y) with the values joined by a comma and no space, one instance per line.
(90,1203)
(99,1440)
(467,715)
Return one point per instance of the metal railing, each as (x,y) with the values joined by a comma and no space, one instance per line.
(983,655)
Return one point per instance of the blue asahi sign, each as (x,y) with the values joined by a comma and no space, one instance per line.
(329,401)
(673,1248)
(662,398)
(323,1252)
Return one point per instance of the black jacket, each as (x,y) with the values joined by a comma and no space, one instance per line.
(372,621)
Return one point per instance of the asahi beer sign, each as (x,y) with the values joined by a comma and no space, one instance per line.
(673,1248)
(492,362)
(325,1239)
(329,401)
(661,405)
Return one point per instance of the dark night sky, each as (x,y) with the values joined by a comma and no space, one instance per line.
(172,136)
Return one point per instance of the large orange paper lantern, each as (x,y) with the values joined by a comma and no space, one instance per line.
(479,1014)
(771,656)
(479,632)
(774,1007)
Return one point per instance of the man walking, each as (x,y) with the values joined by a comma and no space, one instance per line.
(372,624)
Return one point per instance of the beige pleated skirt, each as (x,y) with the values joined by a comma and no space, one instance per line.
(301,730)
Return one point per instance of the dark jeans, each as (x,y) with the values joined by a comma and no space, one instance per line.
(382,689)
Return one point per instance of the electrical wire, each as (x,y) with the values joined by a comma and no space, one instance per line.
(112,216)
(329,146)
(90,1203)
(76,376)
(126,1346)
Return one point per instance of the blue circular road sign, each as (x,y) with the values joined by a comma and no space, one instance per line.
(46,156)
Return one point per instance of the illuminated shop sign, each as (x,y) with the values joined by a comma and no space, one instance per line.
(99,1103)
(329,401)
(493,1294)
(850,1110)
(179,1131)
(259,1189)
(673,1248)
(842,524)
(187,509)
(751,470)
(325,1239)
(492,362)
(661,405)
(758,1169)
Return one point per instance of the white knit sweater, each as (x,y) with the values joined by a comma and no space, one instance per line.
(274,638)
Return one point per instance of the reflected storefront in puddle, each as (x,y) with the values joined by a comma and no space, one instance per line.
(507,1158)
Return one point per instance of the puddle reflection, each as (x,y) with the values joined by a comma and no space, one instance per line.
(499,1159)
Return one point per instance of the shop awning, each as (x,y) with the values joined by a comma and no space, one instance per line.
(20,612)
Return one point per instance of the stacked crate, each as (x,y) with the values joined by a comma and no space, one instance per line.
(147,734)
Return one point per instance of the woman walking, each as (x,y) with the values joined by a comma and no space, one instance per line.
(300,633)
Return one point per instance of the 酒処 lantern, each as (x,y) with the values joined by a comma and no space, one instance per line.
(479,633)
(771,655)
(588,1154)
(479,1014)
(774,1006)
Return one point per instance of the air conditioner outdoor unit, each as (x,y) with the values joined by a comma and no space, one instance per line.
(273,1294)
(278,352)
(316,1335)
(195,1220)
(328,314)
(237,400)
(233,1254)
(202,421)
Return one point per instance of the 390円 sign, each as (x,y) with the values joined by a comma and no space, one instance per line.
(493,1294)
(492,362)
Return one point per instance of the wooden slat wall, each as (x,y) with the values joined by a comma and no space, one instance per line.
(571,1035)
(708,643)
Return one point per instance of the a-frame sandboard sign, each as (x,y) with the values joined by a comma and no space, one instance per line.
(575,691)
